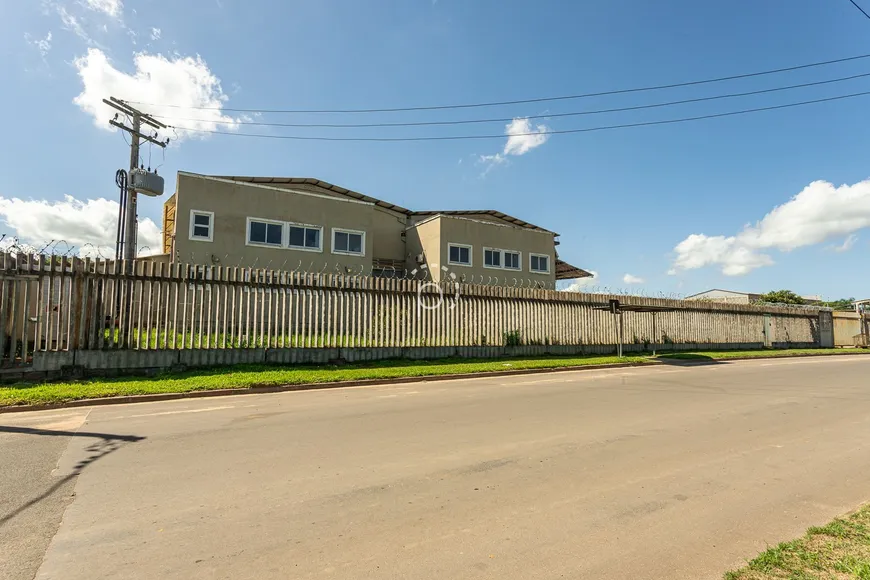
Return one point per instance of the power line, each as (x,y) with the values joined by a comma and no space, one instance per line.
(502,136)
(509,119)
(855,4)
(521,101)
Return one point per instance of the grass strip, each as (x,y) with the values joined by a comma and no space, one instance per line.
(244,376)
(838,550)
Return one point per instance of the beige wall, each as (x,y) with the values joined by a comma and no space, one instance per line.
(424,238)
(232,203)
(434,237)
(847,329)
(388,244)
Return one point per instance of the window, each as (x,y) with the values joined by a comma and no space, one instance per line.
(267,233)
(491,258)
(506,259)
(201,225)
(304,237)
(539,263)
(458,255)
(348,242)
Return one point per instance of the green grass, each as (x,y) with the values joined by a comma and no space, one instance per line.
(724,354)
(153,339)
(838,550)
(244,376)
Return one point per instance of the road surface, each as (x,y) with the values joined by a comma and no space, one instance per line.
(665,472)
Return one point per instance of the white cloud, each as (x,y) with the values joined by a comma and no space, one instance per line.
(91,223)
(631,279)
(43,45)
(818,213)
(156,33)
(581,284)
(699,250)
(491,161)
(847,244)
(74,25)
(112,8)
(186,82)
(522,138)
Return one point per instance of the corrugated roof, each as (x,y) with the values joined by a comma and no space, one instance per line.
(378,202)
(500,215)
(565,271)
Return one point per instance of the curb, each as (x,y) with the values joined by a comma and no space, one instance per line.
(689,361)
(255,390)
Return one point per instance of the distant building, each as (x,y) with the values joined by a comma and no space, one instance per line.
(732,297)
(726,296)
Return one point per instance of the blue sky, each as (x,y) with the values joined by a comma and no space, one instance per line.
(625,201)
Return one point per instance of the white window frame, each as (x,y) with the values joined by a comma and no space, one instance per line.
(549,259)
(347,231)
(210,214)
(501,254)
(470,255)
(519,254)
(483,258)
(285,233)
(303,248)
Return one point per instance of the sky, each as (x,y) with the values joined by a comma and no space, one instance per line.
(755,202)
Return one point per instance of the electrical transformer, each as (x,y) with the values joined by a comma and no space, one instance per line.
(146,182)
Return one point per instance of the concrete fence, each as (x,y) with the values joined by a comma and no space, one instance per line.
(97,314)
(850,329)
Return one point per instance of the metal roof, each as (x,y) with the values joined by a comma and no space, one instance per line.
(379,202)
(565,271)
(500,215)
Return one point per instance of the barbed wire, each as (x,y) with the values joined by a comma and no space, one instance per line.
(761,303)
(625,291)
(63,249)
(60,248)
(786,305)
(504,279)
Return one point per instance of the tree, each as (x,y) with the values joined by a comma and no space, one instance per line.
(783,297)
(841,304)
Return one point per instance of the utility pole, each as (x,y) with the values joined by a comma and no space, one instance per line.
(138,118)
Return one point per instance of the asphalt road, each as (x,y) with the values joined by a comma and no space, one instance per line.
(667,472)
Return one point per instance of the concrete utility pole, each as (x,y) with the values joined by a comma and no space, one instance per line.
(137,119)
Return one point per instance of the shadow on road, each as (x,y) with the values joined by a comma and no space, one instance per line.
(104,444)
(689,359)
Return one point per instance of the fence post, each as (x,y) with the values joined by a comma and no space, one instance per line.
(14,301)
(826,329)
(79,303)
